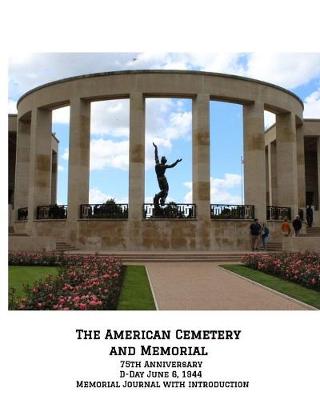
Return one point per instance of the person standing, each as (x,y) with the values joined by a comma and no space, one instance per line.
(255,231)
(265,235)
(309,213)
(285,228)
(297,225)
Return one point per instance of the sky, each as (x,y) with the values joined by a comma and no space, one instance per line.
(168,121)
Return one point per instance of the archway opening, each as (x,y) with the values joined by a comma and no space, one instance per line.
(60,155)
(270,158)
(169,126)
(226,153)
(109,151)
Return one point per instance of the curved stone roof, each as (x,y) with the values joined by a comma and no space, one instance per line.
(164,72)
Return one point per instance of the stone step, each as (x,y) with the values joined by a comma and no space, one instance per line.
(312,232)
(63,247)
(181,258)
(274,246)
(171,257)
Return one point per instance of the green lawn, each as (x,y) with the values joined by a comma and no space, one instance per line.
(291,289)
(20,275)
(135,293)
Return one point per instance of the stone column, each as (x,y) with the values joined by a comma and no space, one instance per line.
(201,155)
(79,157)
(287,170)
(22,166)
(40,161)
(136,156)
(254,159)
(273,161)
(301,170)
(269,173)
(54,176)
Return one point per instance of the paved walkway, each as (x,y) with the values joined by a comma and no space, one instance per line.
(206,286)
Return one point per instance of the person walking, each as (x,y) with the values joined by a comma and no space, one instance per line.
(265,233)
(297,225)
(255,231)
(285,228)
(309,213)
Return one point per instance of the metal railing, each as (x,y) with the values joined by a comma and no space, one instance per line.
(52,211)
(231,211)
(113,211)
(22,214)
(171,210)
(275,213)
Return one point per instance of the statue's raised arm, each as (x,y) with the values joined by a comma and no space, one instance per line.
(174,164)
(156,156)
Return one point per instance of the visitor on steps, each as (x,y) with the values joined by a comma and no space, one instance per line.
(309,213)
(297,225)
(285,228)
(255,231)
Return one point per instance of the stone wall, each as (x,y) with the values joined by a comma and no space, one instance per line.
(166,235)
(301,244)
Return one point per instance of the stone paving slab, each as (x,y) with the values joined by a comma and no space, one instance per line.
(206,286)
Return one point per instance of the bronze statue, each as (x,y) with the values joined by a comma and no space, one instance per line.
(160,169)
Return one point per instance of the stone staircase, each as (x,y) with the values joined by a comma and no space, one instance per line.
(314,231)
(181,257)
(274,246)
(136,257)
(61,247)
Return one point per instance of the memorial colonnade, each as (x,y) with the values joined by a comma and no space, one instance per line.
(34,155)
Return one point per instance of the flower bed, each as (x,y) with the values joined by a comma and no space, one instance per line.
(302,268)
(83,283)
(43,259)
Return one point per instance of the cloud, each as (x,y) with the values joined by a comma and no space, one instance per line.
(220,190)
(166,121)
(61,115)
(312,105)
(289,70)
(229,181)
(12,106)
(107,153)
(110,118)
(61,168)
(32,70)
(215,62)
(159,60)
(96,196)
(227,63)
(65,154)
(269,119)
